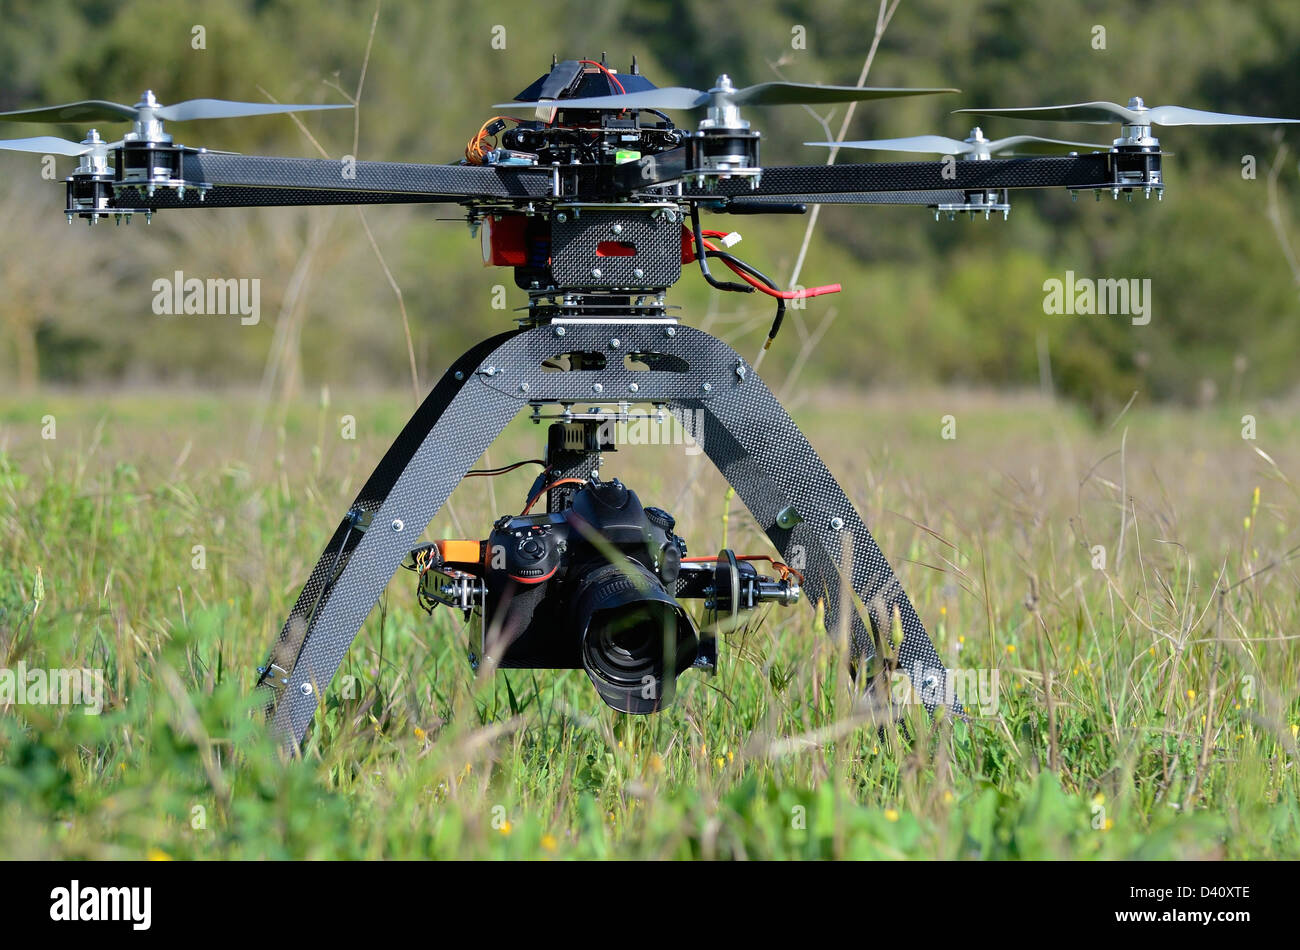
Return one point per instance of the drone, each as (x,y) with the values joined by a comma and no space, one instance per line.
(593,194)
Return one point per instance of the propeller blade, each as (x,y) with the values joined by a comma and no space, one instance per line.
(670,97)
(224,109)
(1035,145)
(917,143)
(1177,115)
(801,93)
(89,110)
(45,145)
(1097,113)
(1107,113)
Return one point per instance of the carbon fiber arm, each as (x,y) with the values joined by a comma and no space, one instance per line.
(253,180)
(1073,171)
(247,180)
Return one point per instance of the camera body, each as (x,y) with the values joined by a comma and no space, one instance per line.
(596,586)
(591,587)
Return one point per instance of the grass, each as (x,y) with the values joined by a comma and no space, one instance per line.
(1147,709)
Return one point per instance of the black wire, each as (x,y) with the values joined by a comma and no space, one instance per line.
(758,275)
(701,253)
(506,468)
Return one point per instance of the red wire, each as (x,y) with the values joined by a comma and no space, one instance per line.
(606,70)
(760,286)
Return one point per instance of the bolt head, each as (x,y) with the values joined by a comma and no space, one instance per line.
(398,525)
(614,342)
(708,387)
(560,331)
(837,524)
(633,387)
(595,272)
(671,331)
(597,388)
(305,689)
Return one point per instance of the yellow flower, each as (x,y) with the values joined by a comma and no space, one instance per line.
(549,843)
(1099,799)
(943,611)
(158,854)
(1294,729)
(891,814)
(419,733)
(1191,694)
(721,762)
(620,743)
(1110,823)
(731,757)
(947,796)
(1152,651)
(506,828)
(1011,648)
(656,762)
(961,638)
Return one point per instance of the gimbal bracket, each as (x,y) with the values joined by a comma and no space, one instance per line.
(702,381)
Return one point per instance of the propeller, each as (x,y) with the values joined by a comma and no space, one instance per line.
(976,146)
(147,115)
(93,110)
(726,94)
(52,145)
(1136,113)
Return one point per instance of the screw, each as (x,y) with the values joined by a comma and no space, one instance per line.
(561,217)
(618,229)
(490,371)
(837,524)
(741,371)
(614,342)
(632,387)
(398,525)
(459,374)
(638,273)
(595,272)
(708,387)
(560,331)
(597,388)
(305,689)
(523,387)
(671,331)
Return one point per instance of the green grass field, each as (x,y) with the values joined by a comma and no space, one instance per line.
(1144,709)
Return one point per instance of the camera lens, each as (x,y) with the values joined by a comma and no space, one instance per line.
(635,637)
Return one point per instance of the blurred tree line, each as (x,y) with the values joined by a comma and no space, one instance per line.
(924,301)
